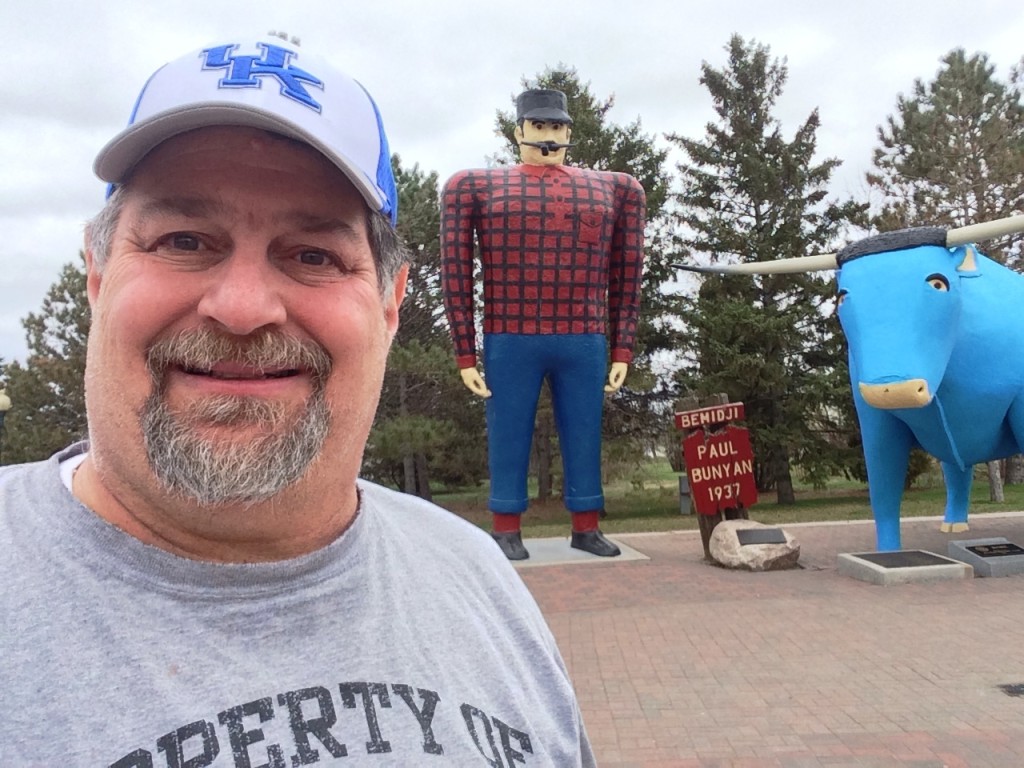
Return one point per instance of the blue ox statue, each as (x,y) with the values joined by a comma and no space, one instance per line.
(936,338)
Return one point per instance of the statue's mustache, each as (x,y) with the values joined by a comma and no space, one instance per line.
(546,147)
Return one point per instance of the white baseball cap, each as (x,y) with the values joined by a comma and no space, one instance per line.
(271,85)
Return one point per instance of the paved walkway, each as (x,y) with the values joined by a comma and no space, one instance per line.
(680,663)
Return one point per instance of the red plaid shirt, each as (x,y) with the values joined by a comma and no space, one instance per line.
(562,252)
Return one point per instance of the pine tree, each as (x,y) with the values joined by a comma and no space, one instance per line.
(771,342)
(953,154)
(429,427)
(48,392)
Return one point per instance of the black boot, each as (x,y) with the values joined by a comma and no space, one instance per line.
(512,545)
(595,543)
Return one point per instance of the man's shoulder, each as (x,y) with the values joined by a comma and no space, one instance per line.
(411,514)
(29,477)
(455,550)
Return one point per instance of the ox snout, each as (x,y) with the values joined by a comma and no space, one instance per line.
(912,393)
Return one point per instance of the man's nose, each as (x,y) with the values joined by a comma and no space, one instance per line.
(244,295)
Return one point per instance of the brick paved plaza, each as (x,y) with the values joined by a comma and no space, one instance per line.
(681,663)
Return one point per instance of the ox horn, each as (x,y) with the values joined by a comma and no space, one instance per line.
(986,230)
(959,236)
(778,267)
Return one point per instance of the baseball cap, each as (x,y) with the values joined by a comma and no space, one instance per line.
(269,84)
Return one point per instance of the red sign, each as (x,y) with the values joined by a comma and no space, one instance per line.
(716,414)
(720,466)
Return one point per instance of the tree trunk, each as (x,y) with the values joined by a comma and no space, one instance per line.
(995,482)
(423,477)
(784,493)
(1014,470)
(409,484)
(409,474)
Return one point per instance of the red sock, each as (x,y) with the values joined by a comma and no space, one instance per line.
(584,522)
(505,523)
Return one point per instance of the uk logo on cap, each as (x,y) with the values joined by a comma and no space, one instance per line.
(249,71)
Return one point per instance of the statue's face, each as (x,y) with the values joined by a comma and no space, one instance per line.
(542,132)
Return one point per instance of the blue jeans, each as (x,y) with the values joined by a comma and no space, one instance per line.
(515,366)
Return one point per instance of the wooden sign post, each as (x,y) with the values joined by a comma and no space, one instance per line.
(719,465)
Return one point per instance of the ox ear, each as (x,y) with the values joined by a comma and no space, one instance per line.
(969,264)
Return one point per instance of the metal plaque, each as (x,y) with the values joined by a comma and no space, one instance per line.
(1001,549)
(909,558)
(748,536)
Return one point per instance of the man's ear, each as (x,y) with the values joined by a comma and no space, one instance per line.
(394,301)
(568,133)
(518,134)
(92,275)
(400,282)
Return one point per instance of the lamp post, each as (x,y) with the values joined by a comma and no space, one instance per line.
(5,406)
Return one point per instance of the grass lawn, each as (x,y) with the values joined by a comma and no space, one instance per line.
(650,502)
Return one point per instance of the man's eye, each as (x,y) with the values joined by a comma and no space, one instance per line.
(314,258)
(182,241)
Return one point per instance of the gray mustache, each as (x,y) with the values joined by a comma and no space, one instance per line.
(202,348)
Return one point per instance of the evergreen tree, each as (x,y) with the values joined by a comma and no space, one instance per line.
(640,408)
(749,194)
(429,427)
(953,154)
(48,392)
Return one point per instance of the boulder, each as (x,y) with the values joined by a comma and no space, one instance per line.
(727,551)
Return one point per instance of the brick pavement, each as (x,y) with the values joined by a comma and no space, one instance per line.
(680,663)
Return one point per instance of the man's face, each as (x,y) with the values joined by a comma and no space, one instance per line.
(239,331)
(542,131)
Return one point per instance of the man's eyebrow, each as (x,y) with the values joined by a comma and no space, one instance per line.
(191,207)
(316,224)
(202,207)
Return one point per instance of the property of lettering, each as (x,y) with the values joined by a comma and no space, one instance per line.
(720,467)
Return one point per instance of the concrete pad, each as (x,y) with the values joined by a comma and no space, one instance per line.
(989,557)
(907,566)
(556,551)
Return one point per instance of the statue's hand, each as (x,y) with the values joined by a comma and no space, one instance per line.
(474,382)
(616,376)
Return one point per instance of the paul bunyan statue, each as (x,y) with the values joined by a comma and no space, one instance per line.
(561,251)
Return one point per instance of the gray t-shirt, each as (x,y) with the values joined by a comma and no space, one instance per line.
(408,641)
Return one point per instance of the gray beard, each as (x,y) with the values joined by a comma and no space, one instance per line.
(211,470)
(217,471)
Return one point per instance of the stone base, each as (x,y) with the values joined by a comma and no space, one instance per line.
(906,566)
(765,549)
(989,557)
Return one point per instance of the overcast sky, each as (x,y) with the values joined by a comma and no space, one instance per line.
(439,69)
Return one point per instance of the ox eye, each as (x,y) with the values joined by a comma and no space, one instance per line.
(938,282)
(840,298)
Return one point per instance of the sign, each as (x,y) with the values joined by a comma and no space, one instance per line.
(749,536)
(720,466)
(1000,549)
(715,414)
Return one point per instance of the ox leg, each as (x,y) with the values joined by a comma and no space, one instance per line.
(887,442)
(1016,418)
(958,497)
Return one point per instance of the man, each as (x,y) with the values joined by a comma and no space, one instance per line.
(562,251)
(206,582)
